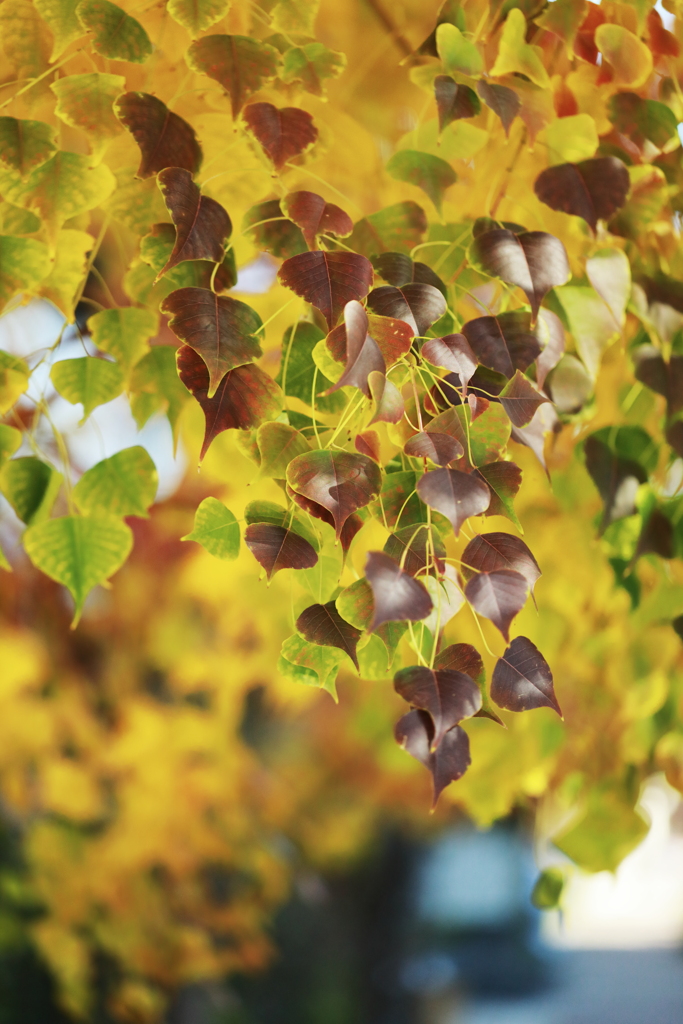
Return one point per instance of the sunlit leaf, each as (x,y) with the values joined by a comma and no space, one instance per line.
(240,64)
(440,448)
(368,443)
(609,271)
(315,665)
(91,382)
(430,173)
(520,399)
(311,65)
(550,333)
(124,333)
(591,323)
(10,440)
(31,487)
(115,34)
(498,595)
(25,40)
(419,305)
(454,353)
(61,188)
(342,482)
(197,15)
(216,529)
(124,484)
(515,55)
(389,404)
(165,139)
(295,16)
(24,263)
(504,343)
(363,355)
(67,270)
(489,552)
(62,20)
(628,55)
(593,189)
(396,595)
(278,444)
(328,280)
(605,833)
(86,102)
(457,53)
(531,260)
(279,547)
(25,145)
(274,232)
(522,679)
(454,494)
(283,133)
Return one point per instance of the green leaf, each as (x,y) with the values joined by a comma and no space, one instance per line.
(278,444)
(10,440)
(197,15)
(123,485)
(31,487)
(124,333)
(14,377)
(116,34)
(91,382)
(25,145)
(15,221)
(86,102)
(608,830)
(456,52)
(548,889)
(397,228)
(590,321)
(60,17)
(322,663)
(136,203)
(24,262)
(25,39)
(297,370)
(322,579)
(430,173)
(79,552)
(216,529)
(68,270)
(311,64)
(295,17)
(515,55)
(155,386)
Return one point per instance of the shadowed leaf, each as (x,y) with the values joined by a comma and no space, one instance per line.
(501,100)
(278,444)
(447,696)
(297,374)
(24,263)
(616,476)
(322,624)
(412,548)
(466,658)
(418,305)
(396,595)
(115,34)
(454,494)
(62,20)
(155,387)
(356,604)
(490,552)
(240,64)
(311,64)
(504,480)
(593,189)
(272,231)
(522,679)
(448,762)
(89,381)
(430,173)
(398,269)
(397,228)
(531,260)
(307,663)
(202,225)
(350,528)
(314,216)
(25,145)
(656,537)
(282,133)
(342,482)
(454,353)
(393,338)
(363,356)
(278,547)
(125,484)
(503,343)
(498,595)
(31,487)
(328,280)
(454,101)
(550,332)
(165,139)
(216,529)
(520,399)
(389,404)
(440,448)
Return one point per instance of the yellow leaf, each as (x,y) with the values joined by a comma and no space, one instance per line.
(24,38)
(85,102)
(69,266)
(630,58)
(571,139)
(516,55)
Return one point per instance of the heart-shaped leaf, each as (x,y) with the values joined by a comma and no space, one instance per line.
(272,231)
(283,133)
(515,55)
(363,355)
(531,260)
(342,482)
(454,353)
(245,397)
(278,444)
(123,333)
(418,305)
(448,762)
(115,34)
(389,404)
(504,343)
(220,329)
(350,528)
(454,494)
(440,448)
(504,480)
(356,604)
(447,696)
(202,225)
(520,399)
(164,138)
(240,64)
(328,280)
(25,145)
(316,217)
(397,228)
(398,269)
(31,487)
(311,64)
(368,443)
(593,189)
(490,552)
(91,382)
(522,679)
(86,102)
(616,476)
(216,529)
(279,547)
(502,101)
(457,52)
(499,596)
(428,172)
(397,596)
(466,658)
(454,101)
(393,338)
(124,484)
(197,15)
(322,624)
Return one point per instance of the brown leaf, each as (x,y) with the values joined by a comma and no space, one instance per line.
(534,261)
(454,101)
(453,353)
(393,338)
(498,596)
(504,480)
(466,658)
(316,217)
(504,343)
(440,448)
(593,189)
(282,133)
(276,547)
(202,225)
(397,596)
(367,443)
(398,269)
(350,528)
(323,625)
(418,305)
(455,494)
(520,399)
(522,679)
(490,552)
(240,64)
(503,101)
(448,762)
(447,696)
(342,482)
(328,280)
(164,138)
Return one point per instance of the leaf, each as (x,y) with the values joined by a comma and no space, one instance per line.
(502,101)
(396,595)
(440,448)
(156,249)
(323,625)
(454,353)
(31,488)
(550,331)
(628,55)
(522,679)
(60,17)
(466,658)
(155,386)
(276,547)
(272,231)
(216,529)
(124,333)
(328,280)
(124,484)
(197,15)
(489,552)
(593,189)
(456,52)
(311,64)
(202,225)
(10,440)
(295,16)
(165,139)
(412,548)
(656,537)
(504,343)
(79,552)
(504,480)
(608,830)
(498,595)
(544,422)
(609,271)
(297,375)
(25,145)
(278,444)
(349,530)
(397,228)
(448,697)
(342,482)
(590,322)
(314,216)
(68,269)
(115,34)
(24,263)
(531,260)
(25,41)
(363,355)
(454,101)
(389,404)
(520,399)
(418,305)
(454,494)
(430,173)
(245,396)
(448,762)
(240,64)
(283,134)
(356,604)
(276,515)
(218,328)
(316,666)
(90,381)
(515,55)
(393,338)
(87,102)
(368,443)
(398,269)
(616,476)
(484,439)
(547,891)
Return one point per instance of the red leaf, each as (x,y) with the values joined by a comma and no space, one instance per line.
(362,352)
(245,397)
(498,596)
(503,101)
(393,338)
(503,343)
(453,353)
(490,552)
(418,305)
(328,280)
(447,696)
(367,443)
(397,596)
(342,482)
(520,399)
(454,101)
(550,329)
(440,448)
(283,134)
(276,547)
(316,217)
(448,762)
(389,404)
(455,494)
(477,404)
(240,64)
(531,260)
(202,225)
(164,138)
(323,625)
(522,679)
(593,189)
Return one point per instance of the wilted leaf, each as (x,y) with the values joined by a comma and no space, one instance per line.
(502,101)
(531,260)
(504,343)
(328,280)
(397,597)
(311,64)
(279,547)
(389,404)
(282,133)
(124,333)
(24,263)
(79,552)
(412,547)
(342,482)
(124,484)
(522,679)
(418,305)
(430,173)
(91,382)
(454,353)
(397,228)
(87,102)
(489,552)
(278,444)
(448,697)
(115,34)
(197,15)
(498,595)
(515,55)
(322,624)
(25,145)
(520,399)
(202,225)
(454,494)
(220,329)
(440,448)
(314,216)
(448,762)
(593,189)
(31,488)
(165,139)
(504,480)
(240,64)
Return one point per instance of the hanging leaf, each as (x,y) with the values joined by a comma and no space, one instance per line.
(484,439)
(295,17)
(520,399)
(504,480)
(197,15)
(278,444)
(91,382)
(220,329)
(504,343)
(454,101)
(363,355)
(10,440)
(31,488)
(322,624)
(315,217)
(87,102)
(489,552)
(656,537)
(79,552)
(531,260)
(498,595)
(454,494)
(418,305)
(328,280)
(349,530)
(115,34)
(466,658)
(297,376)
(616,474)
(628,55)
(342,482)
(522,679)
(278,547)
(516,56)
(124,333)
(397,228)
(240,64)
(124,484)
(272,231)
(356,605)
(550,332)
(165,139)
(62,20)
(25,145)
(311,664)
(202,225)
(155,387)
(609,271)
(24,263)
(457,53)
(593,189)
(67,270)
(454,353)
(311,64)
(245,396)
(283,134)
(368,443)
(591,323)
(440,448)
(501,100)
(428,172)
(413,547)
(448,762)
(398,504)
(393,338)
(396,595)
(398,269)
(389,404)
(448,697)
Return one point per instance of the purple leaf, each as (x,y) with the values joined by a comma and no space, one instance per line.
(522,679)
(455,494)
(397,596)
(323,625)
(498,596)
(447,696)
(276,547)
